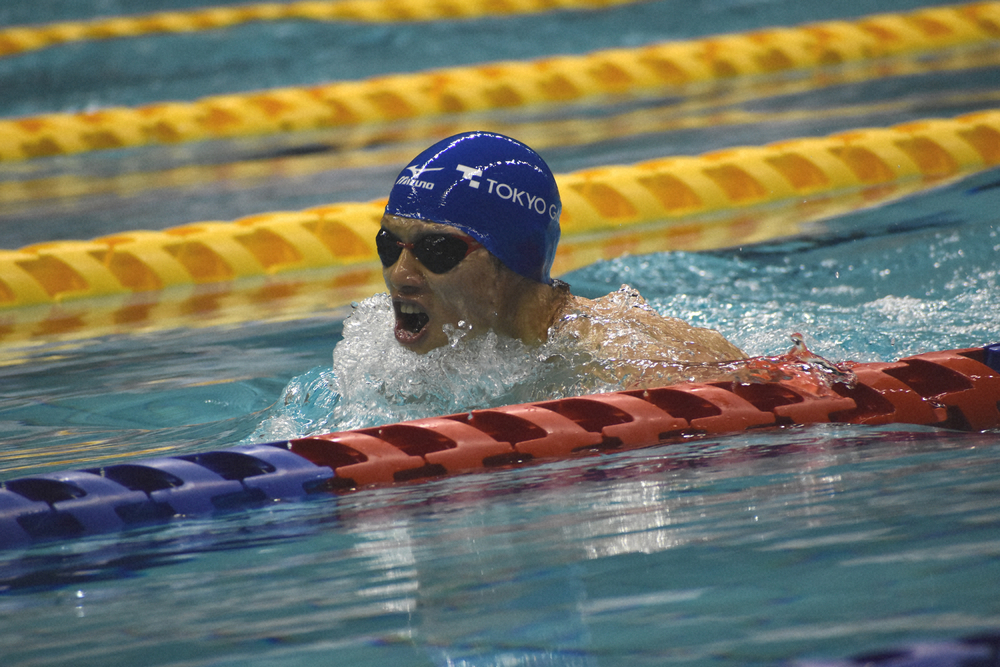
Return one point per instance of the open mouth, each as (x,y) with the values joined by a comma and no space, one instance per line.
(411,322)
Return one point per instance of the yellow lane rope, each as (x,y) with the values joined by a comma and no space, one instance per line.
(673,190)
(503,85)
(359,148)
(325,293)
(20,39)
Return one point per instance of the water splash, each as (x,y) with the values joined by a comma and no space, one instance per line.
(799,367)
(375,381)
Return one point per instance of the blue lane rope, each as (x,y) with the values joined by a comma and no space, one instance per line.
(92,501)
(978,650)
(992,356)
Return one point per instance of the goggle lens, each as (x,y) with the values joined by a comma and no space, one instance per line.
(439,253)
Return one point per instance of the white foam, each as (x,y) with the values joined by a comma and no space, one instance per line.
(376,381)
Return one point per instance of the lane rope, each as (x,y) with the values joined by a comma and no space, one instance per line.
(672,189)
(25,38)
(956,389)
(326,293)
(361,147)
(507,85)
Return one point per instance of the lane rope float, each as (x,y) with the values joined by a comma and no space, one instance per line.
(671,189)
(956,389)
(361,147)
(504,85)
(21,39)
(323,292)
(981,649)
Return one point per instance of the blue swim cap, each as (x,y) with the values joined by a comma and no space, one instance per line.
(493,188)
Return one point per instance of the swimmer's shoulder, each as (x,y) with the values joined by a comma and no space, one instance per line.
(625,311)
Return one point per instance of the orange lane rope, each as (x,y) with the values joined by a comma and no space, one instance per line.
(951,389)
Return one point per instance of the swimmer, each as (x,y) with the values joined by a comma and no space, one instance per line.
(467,242)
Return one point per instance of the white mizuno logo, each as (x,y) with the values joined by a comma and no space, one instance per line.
(414,181)
(418,171)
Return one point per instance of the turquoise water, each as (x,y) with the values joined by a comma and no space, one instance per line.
(760,549)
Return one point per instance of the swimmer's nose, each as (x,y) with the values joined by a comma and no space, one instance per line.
(406,272)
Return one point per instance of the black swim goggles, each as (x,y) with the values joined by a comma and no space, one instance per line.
(439,253)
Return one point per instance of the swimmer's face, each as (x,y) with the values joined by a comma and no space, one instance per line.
(472,291)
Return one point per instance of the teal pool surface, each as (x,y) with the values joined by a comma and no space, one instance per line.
(761,548)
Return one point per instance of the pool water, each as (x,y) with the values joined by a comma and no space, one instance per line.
(816,542)
(738,551)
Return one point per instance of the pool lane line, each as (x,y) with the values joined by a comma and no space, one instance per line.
(953,389)
(250,163)
(555,80)
(24,38)
(673,191)
(326,293)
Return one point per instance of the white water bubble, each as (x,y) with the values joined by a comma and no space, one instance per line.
(374,380)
